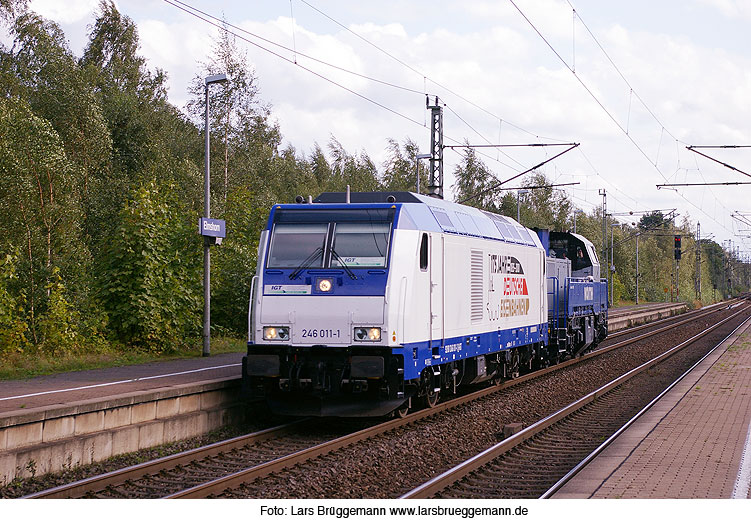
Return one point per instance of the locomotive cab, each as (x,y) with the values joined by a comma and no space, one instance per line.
(580,251)
(578,303)
(318,340)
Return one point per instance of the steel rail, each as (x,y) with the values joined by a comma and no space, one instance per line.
(97,483)
(100,482)
(587,460)
(682,318)
(440,482)
(244,476)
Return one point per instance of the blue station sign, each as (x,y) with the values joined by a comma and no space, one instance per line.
(212,227)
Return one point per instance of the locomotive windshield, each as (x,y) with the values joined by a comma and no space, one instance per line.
(319,239)
(295,242)
(361,244)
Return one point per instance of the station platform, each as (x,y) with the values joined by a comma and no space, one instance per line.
(76,387)
(693,443)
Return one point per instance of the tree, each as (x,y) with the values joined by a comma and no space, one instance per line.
(236,116)
(473,182)
(37,184)
(148,284)
(13,326)
(355,170)
(400,169)
(47,76)
(544,207)
(10,9)
(112,57)
(654,220)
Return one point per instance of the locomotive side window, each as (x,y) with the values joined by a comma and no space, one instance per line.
(361,244)
(580,258)
(292,244)
(424,252)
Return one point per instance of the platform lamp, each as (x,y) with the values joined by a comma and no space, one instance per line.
(417,168)
(211,79)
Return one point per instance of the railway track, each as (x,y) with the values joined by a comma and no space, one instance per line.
(670,322)
(538,460)
(216,468)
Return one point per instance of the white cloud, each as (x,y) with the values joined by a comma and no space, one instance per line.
(730,8)
(67,12)
(486,52)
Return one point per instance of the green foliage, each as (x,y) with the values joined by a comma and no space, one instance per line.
(101,179)
(400,169)
(619,289)
(58,326)
(145,281)
(474,183)
(10,9)
(13,325)
(112,57)
(236,259)
(543,206)
(38,184)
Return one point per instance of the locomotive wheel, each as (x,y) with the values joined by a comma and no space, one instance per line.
(403,410)
(431,398)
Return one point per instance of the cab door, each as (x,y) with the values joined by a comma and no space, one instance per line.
(437,284)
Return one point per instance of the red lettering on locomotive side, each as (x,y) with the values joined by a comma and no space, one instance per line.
(514,286)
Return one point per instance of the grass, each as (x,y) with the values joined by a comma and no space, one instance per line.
(33,364)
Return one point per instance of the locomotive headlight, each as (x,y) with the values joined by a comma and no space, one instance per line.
(324,285)
(276,333)
(368,334)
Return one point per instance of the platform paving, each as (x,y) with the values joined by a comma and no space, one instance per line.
(74,388)
(694,443)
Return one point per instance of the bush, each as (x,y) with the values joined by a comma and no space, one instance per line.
(13,326)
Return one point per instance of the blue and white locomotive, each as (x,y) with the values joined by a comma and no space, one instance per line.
(390,300)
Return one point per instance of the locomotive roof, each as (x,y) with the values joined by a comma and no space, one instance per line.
(367,197)
(442,215)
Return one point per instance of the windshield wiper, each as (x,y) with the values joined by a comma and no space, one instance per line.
(344,265)
(305,263)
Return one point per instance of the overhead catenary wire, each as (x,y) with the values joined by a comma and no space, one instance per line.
(494,187)
(295,53)
(448,90)
(223,25)
(425,76)
(694,149)
(442,86)
(394,85)
(208,20)
(607,112)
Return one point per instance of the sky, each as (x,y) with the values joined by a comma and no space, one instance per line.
(634,83)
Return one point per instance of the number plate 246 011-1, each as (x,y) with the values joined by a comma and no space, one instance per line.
(323,335)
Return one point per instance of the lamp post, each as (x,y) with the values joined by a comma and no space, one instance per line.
(211,79)
(417,168)
(518,203)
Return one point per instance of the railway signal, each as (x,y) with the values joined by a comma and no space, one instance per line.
(677,247)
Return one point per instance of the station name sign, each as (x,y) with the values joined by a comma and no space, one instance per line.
(212,227)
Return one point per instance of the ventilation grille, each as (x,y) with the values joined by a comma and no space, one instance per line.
(476,285)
